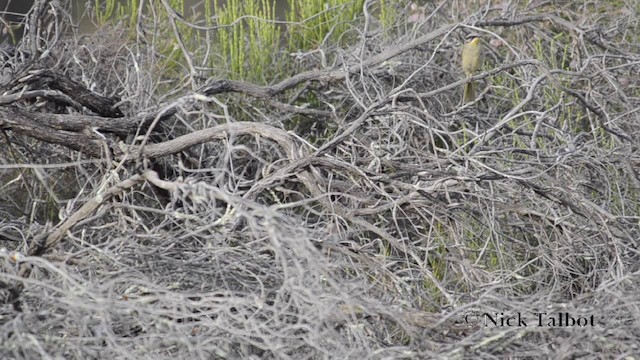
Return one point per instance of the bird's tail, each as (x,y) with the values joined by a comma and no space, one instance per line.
(469,94)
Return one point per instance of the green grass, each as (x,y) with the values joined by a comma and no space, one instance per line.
(244,39)
(315,22)
(106,11)
(249,39)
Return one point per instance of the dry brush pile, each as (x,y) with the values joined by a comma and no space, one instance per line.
(352,210)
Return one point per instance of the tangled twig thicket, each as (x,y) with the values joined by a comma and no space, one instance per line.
(356,211)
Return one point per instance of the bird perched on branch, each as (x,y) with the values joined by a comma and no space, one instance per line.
(471,61)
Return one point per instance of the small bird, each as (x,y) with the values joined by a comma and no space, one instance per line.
(471,61)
